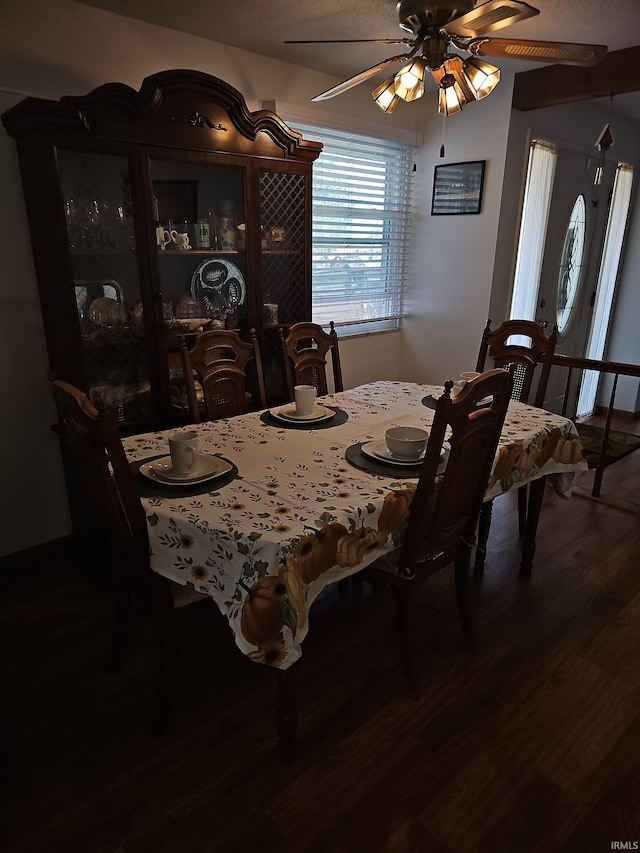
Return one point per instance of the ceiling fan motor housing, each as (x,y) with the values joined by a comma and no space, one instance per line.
(420,18)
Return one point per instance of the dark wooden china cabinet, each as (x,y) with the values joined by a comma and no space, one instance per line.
(157,214)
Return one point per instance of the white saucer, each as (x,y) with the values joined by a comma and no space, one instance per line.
(378,450)
(205,468)
(288,413)
(484,402)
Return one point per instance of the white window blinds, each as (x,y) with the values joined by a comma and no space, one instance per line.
(361,219)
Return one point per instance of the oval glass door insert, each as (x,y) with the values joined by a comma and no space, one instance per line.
(571,264)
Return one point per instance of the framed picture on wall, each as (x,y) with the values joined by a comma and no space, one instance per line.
(457,188)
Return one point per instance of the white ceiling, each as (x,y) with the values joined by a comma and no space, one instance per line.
(262,26)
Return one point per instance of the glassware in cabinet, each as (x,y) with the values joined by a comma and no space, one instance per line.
(106,281)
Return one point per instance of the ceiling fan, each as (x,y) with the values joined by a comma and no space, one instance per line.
(439,25)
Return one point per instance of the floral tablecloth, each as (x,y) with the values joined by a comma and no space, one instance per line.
(299,516)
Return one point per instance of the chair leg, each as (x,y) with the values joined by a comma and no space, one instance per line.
(287,718)
(167,666)
(522,511)
(121,623)
(463,595)
(536,493)
(402,631)
(344,589)
(484,526)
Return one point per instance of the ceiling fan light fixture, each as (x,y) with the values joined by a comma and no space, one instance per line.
(451,99)
(409,81)
(438,26)
(454,89)
(481,76)
(452,70)
(385,96)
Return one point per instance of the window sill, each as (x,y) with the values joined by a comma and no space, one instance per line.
(363,334)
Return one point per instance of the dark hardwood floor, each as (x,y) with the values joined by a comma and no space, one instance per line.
(531,744)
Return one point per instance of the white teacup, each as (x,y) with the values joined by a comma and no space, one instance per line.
(465,377)
(181,240)
(182,446)
(305,399)
(163,238)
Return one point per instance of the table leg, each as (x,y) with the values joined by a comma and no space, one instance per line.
(536,492)
(484,525)
(287,716)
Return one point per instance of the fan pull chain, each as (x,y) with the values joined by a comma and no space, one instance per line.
(444,120)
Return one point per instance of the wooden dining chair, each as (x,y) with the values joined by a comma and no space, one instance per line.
(530,354)
(95,443)
(305,348)
(219,359)
(444,512)
(523,360)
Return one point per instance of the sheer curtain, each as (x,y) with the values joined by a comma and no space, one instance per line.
(605,288)
(533,227)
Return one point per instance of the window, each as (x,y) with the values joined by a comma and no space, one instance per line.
(361,219)
(535,214)
(605,289)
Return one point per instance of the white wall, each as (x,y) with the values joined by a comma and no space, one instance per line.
(32,496)
(453,265)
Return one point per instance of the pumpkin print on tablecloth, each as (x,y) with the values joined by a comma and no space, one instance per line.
(395,510)
(317,552)
(273,602)
(262,612)
(547,447)
(354,547)
(508,456)
(569,450)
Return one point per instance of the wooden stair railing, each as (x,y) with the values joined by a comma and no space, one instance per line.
(615,368)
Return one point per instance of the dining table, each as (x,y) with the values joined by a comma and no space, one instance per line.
(279,508)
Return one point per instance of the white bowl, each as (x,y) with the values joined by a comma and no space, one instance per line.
(406,442)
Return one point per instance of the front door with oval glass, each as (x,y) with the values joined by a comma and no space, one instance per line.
(575,233)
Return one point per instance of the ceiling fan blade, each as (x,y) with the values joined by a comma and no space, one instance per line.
(352,41)
(362,76)
(558,52)
(489,17)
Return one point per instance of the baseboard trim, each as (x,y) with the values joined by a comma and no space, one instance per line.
(623,414)
(615,503)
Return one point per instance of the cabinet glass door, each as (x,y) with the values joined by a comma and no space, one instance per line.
(100,229)
(200,233)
